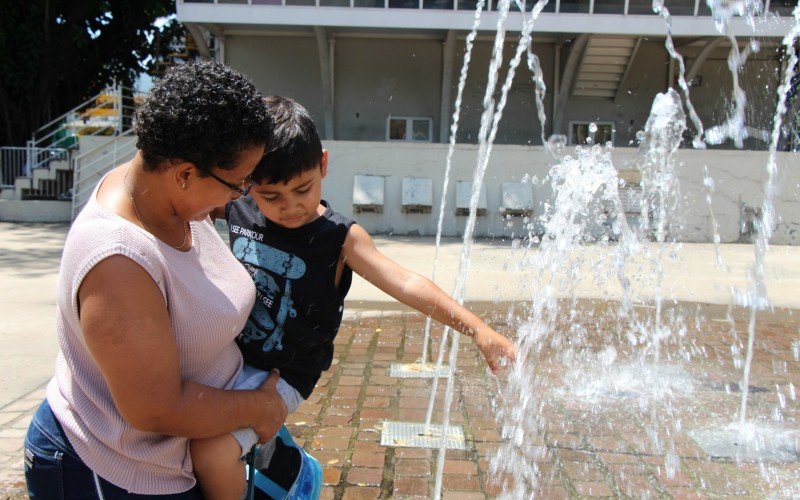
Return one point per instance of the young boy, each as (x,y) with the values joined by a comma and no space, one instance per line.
(301,255)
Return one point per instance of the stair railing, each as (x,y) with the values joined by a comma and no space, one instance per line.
(14,161)
(55,139)
(89,167)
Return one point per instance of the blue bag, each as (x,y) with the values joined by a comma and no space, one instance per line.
(291,474)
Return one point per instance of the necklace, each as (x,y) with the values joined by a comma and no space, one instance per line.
(139,217)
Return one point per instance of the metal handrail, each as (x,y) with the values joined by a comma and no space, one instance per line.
(119,103)
(73,110)
(77,162)
(623,11)
(112,89)
(79,196)
(84,175)
(43,149)
(97,148)
(21,166)
(76,112)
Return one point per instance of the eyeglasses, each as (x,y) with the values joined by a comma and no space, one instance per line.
(243,188)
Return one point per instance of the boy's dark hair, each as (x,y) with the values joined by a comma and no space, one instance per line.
(295,146)
(201,112)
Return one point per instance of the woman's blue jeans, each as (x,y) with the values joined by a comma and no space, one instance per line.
(54,471)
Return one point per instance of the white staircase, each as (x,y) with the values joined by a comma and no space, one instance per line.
(51,181)
(36,181)
(604,66)
(42,196)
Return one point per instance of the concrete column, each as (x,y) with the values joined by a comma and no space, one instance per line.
(556,85)
(219,40)
(670,71)
(327,85)
(568,79)
(448,63)
(332,66)
(628,66)
(701,58)
(199,39)
(220,53)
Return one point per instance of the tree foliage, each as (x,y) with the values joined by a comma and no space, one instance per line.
(54,54)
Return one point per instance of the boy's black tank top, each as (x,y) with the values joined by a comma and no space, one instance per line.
(298,307)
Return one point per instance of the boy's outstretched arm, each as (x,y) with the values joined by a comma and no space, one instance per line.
(423,295)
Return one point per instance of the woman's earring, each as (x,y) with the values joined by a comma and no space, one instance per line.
(184,186)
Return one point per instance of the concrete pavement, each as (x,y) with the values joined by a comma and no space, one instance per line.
(30,256)
(29,260)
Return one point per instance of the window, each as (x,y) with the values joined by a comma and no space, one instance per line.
(599,132)
(409,128)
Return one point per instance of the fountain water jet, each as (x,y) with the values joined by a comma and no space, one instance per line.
(579,208)
(661,10)
(448,165)
(758,296)
(747,440)
(661,194)
(523,395)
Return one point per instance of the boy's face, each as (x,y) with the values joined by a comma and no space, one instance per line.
(295,203)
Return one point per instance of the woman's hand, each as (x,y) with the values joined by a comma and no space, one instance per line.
(497,349)
(275,411)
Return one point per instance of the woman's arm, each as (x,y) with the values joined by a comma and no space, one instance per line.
(128,332)
(423,295)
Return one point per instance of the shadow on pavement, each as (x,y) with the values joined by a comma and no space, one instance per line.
(31,250)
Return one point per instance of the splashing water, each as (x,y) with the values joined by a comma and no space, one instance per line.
(539,87)
(660,197)
(463,266)
(490,121)
(585,190)
(577,208)
(448,166)
(710,186)
(661,10)
(756,298)
(723,11)
(556,146)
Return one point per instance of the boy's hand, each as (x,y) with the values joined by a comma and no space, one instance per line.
(275,412)
(496,348)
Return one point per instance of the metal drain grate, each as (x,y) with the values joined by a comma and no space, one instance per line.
(731,387)
(418,370)
(768,445)
(414,435)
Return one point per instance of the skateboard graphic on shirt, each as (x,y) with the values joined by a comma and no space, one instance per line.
(261,325)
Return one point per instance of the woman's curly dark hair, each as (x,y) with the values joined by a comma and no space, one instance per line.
(201,112)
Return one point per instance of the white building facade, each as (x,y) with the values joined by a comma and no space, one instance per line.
(380,78)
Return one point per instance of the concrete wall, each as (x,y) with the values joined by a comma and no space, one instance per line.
(739,178)
(759,79)
(35,211)
(520,123)
(285,65)
(647,77)
(378,77)
(374,78)
(97,156)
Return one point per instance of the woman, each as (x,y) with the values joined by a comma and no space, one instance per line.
(149,301)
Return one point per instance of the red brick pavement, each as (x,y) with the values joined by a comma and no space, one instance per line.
(341,423)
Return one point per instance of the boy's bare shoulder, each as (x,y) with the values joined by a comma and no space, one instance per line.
(357,241)
(357,234)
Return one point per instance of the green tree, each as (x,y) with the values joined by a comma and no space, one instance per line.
(54,54)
